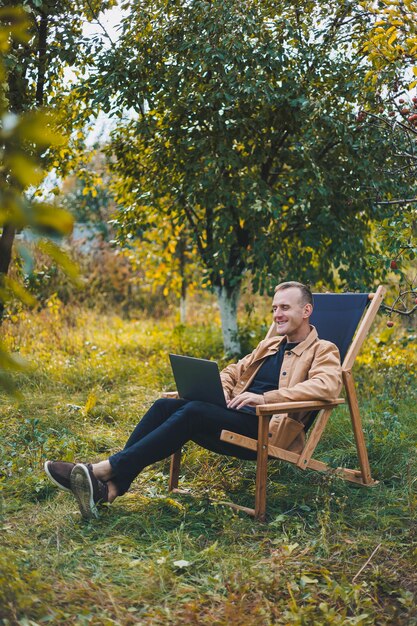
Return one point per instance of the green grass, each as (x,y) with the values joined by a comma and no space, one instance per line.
(156,558)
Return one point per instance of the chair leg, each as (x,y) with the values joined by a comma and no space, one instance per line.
(261,468)
(174,470)
(357,427)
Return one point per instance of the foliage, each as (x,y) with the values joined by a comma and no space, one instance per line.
(23,140)
(166,256)
(155,558)
(391,47)
(391,42)
(245,132)
(85,193)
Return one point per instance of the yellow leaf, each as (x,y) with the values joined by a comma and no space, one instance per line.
(11,362)
(307,580)
(63,260)
(49,216)
(17,22)
(24,169)
(415,71)
(37,127)
(392,38)
(19,291)
(90,404)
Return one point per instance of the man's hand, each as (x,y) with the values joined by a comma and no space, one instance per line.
(245,398)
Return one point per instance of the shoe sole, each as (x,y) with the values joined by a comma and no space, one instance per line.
(82,488)
(52,479)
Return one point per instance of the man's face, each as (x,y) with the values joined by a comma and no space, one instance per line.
(290,315)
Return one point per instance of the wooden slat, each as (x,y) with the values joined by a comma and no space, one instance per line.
(273,451)
(291,407)
(174,470)
(364,327)
(353,472)
(353,476)
(261,468)
(357,426)
(314,438)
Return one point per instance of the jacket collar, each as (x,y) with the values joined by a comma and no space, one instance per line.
(308,341)
(275,342)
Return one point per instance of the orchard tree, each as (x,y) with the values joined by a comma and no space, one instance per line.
(238,121)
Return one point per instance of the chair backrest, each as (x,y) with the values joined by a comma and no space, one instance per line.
(336,317)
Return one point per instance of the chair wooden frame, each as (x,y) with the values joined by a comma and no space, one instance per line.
(305,459)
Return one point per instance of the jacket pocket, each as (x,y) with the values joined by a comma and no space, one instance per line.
(287,433)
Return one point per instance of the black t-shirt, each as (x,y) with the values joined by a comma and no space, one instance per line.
(267,377)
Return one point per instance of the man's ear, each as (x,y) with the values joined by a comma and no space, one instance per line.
(308,309)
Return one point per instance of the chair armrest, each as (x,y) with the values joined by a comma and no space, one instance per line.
(293,407)
(169,394)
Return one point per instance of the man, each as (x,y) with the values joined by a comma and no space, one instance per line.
(295,365)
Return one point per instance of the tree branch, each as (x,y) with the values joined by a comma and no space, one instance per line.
(400,201)
(190,216)
(95,16)
(42,40)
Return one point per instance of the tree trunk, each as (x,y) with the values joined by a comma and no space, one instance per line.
(228,300)
(42,47)
(6,246)
(183,298)
(183,310)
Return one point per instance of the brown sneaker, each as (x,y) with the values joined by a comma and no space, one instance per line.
(88,490)
(59,473)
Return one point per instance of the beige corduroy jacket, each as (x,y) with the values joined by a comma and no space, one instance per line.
(311,371)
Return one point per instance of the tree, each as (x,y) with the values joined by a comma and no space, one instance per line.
(244,130)
(35,64)
(22,139)
(390,45)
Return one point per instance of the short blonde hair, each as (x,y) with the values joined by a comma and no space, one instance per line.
(306,295)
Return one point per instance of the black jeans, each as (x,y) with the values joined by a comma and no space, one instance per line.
(168,425)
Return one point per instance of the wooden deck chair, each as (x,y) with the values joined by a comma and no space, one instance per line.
(336,317)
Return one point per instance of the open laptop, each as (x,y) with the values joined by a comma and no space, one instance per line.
(199,379)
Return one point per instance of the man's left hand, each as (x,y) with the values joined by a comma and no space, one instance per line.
(245,398)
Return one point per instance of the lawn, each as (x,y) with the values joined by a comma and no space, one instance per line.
(156,558)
